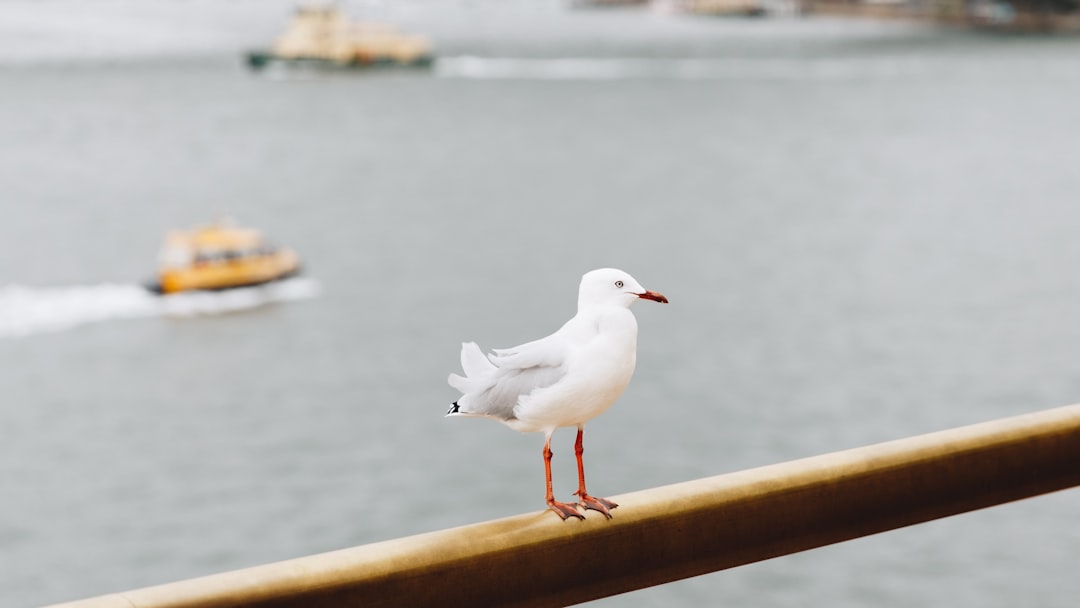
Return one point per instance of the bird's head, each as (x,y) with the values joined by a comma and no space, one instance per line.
(609,286)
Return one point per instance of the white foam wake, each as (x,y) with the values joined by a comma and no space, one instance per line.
(631,68)
(31,310)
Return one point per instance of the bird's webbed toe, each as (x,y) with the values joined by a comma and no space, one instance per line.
(595,503)
(564,510)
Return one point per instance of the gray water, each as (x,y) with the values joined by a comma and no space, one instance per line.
(867,231)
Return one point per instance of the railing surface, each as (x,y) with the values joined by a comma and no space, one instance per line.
(664,534)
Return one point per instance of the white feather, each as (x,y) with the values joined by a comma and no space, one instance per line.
(473,361)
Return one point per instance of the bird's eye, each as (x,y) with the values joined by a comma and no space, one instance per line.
(619,284)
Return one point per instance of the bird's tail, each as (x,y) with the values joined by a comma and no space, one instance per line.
(476,366)
(473,361)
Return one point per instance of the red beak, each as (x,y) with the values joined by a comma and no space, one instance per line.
(652,295)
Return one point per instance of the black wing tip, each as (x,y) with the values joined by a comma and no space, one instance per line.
(453,409)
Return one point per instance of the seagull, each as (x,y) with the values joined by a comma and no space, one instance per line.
(562,380)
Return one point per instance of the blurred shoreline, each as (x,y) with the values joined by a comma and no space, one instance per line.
(986,15)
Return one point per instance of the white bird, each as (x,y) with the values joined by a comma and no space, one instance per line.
(563,380)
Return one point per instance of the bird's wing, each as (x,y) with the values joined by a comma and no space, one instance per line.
(549,351)
(510,384)
(509,374)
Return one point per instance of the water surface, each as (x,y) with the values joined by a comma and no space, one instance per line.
(867,231)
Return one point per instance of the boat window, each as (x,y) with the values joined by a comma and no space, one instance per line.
(175,256)
(209,257)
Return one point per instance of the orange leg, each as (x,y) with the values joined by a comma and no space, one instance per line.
(563,509)
(602,505)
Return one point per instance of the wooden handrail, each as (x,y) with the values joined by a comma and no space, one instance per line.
(664,534)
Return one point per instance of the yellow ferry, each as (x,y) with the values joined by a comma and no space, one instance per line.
(325,36)
(220,256)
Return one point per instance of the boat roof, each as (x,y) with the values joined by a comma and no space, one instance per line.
(218,236)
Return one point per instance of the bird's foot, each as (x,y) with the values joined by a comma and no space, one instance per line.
(564,510)
(595,503)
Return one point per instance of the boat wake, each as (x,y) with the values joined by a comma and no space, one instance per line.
(645,68)
(26,311)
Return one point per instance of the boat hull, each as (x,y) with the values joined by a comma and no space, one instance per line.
(155,286)
(258,60)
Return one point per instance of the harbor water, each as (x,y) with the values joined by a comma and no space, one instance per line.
(867,231)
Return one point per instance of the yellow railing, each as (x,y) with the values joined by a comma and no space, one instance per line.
(664,534)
